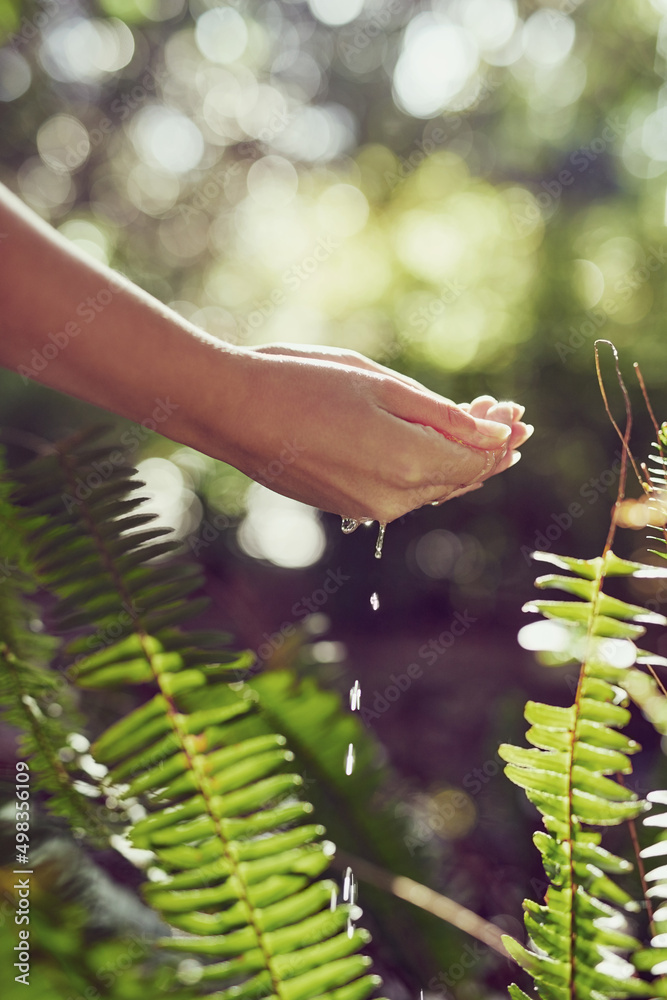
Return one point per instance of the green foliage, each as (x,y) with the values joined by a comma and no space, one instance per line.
(354,806)
(34,698)
(236,860)
(573,776)
(68,962)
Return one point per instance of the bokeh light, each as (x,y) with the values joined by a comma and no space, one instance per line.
(15,75)
(167,140)
(221,34)
(170,496)
(280,530)
(437,61)
(336,12)
(87,49)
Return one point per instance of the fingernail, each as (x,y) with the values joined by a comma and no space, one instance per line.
(495,432)
(529,430)
(516,457)
(519,411)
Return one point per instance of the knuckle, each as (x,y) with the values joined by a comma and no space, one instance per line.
(407,472)
(459,420)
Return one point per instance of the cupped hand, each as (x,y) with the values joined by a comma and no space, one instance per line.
(340,432)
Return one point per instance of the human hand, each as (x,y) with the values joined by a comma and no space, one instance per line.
(360,440)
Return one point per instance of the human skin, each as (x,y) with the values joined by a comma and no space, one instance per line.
(365,442)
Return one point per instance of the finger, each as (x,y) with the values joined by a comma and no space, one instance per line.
(487,406)
(505,463)
(450,466)
(520,434)
(481,405)
(502,412)
(449,420)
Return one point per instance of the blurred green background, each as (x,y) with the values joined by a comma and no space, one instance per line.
(470,191)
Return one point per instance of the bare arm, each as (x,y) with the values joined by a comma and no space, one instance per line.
(355,438)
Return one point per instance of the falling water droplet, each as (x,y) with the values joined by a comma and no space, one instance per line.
(349,525)
(347,881)
(380,541)
(350,927)
(375,601)
(355,697)
(349,760)
(334,900)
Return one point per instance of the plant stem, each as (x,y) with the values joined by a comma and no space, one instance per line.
(425,898)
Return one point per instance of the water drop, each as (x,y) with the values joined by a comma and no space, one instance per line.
(348,879)
(355,697)
(349,760)
(349,525)
(380,541)
(350,927)
(375,601)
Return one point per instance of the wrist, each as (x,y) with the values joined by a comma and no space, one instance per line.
(211,392)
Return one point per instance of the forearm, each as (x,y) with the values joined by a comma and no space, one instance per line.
(357,440)
(79,327)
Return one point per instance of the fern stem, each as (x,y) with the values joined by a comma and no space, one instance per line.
(232,860)
(640,867)
(625,438)
(173,715)
(426,899)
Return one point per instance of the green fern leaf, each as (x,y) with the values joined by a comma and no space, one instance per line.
(236,854)
(578,937)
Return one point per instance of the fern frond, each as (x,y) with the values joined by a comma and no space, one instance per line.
(33,698)
(578,934)
(653,960)
(235,854)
